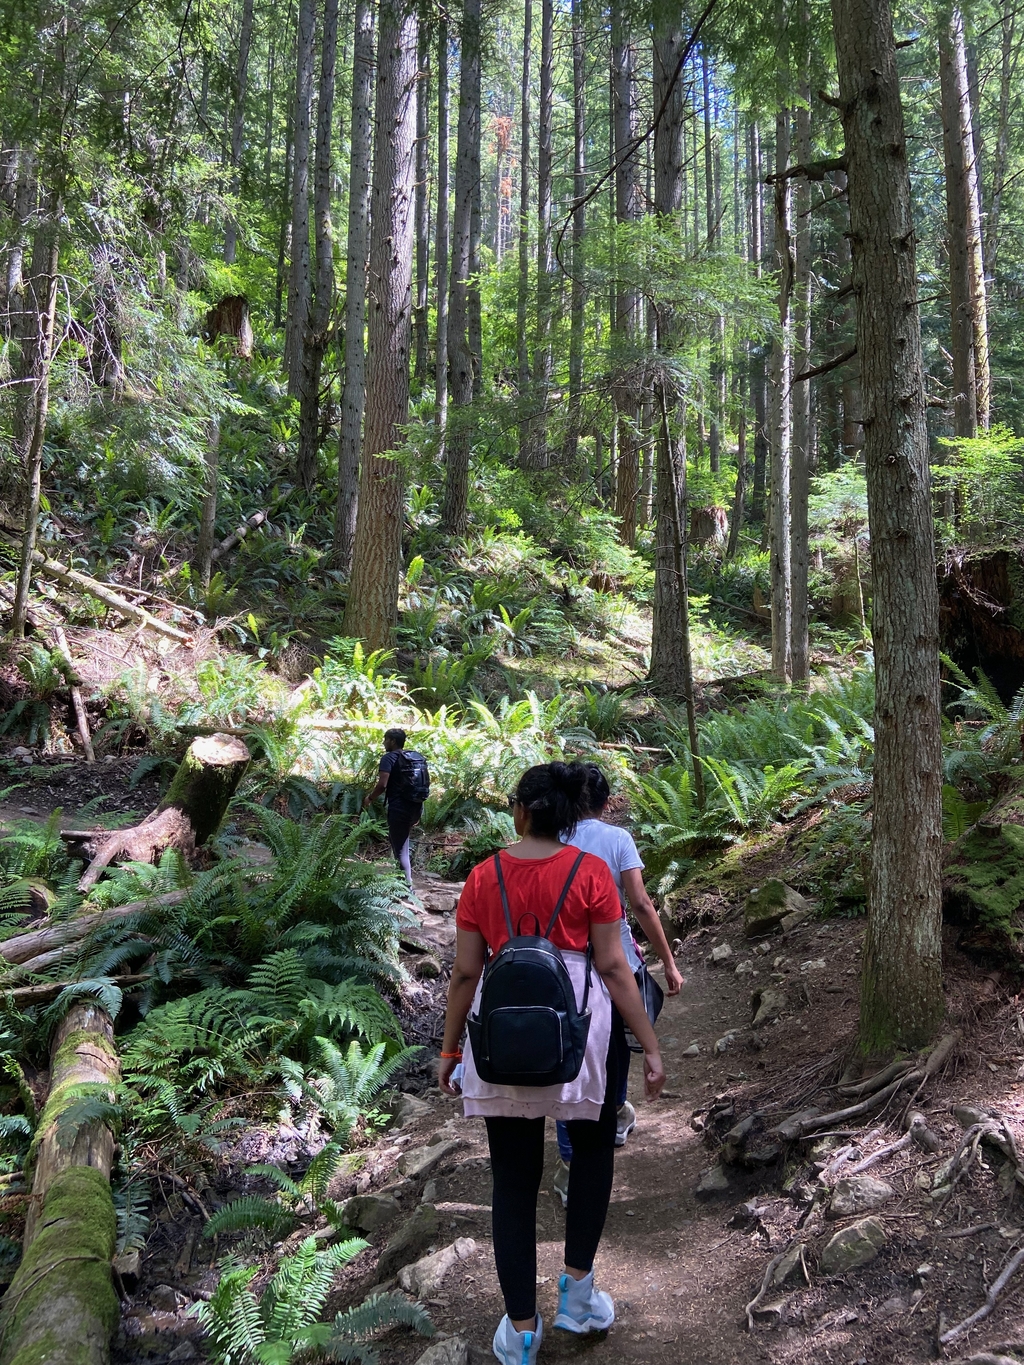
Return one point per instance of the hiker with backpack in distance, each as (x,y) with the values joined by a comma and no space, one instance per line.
(617,848)
(404,780)
(543,918)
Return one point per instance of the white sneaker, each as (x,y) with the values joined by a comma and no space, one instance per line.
(561,1182)
(582,1308)
(625,1122)
(517,1348)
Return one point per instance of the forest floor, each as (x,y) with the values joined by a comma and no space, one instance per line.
(680,1263)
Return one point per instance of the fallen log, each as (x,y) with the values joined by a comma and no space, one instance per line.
(76,695)
(21,949)
(236,537)
(192,810)
(72,578)
(61,1307)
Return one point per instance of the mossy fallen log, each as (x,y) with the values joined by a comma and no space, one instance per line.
(191,811)
(983,884)
(61,1308)
(45,939)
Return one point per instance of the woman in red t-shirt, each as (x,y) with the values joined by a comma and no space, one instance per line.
(549,800)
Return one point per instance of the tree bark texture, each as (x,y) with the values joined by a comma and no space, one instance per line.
(422,203)
(372,605)
(460,355)
(802,452)
(202,559)
(34,396)
(523,278)
(537,448)
(190,813)
(238,94)
(1009,57)
(901,1002)
(321,308)
(781,419)
(61,1307)
(579,187)
(627,302)
(442,245)
(299,274)
(968,311)
(353,393)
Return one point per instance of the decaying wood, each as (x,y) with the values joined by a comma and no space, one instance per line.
(888,1150)
(61,1306)
(946,1338)
(49,990)
(76,696)
(191,811)
(72,578)
(252,523)
(27,948)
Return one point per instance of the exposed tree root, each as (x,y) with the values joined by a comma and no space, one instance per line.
(766,1281)
(946,1338)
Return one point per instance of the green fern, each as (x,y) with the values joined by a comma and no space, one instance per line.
(247,1213)
(379,1313)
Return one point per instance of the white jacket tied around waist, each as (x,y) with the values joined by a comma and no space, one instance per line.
(578,1099)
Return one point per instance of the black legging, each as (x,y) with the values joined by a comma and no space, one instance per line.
(517,1163)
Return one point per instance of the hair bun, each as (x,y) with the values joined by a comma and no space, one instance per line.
(570,778)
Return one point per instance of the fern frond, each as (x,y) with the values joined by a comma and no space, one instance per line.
(250,1211)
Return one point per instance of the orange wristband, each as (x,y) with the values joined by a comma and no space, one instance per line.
(451,1056)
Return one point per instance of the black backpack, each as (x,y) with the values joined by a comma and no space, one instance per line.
(528,1030)
(413,777)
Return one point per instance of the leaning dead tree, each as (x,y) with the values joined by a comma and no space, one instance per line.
(189,814)
(61,1307)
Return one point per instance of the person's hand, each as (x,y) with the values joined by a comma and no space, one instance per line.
(444,1076)
(654,1075)
(366,802)
(673,979)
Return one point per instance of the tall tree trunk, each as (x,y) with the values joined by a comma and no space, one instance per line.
(781,450)
(712,192)
(34,393)
(523,278)
(321,307)
(901,1002)
(739,498)
(542,358)
(968,312)
(299,275)
(442,245)
(475,320)
(353,393)
(802,455)
(376,562)
(420,321)
(238,95)
(579,189)
(627,301)
(668,660)
(460,356)
(202,559)
(1008,61)
(758,377)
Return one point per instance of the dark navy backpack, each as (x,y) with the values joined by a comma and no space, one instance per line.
(413,776)
(528,1030)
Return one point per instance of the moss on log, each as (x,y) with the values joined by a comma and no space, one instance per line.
(61,1308)
(191,811)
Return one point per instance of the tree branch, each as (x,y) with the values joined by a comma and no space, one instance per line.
(824,368)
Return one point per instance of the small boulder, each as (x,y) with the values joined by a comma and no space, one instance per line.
(166,1298)
(425,1278)
(766,908)
(420,1161)
(745,968)
(409,1108)
(368,1212)
(409,1242)
(451,1351)
(767,1004)
(853,1246)
(713,1181)
(858,1194)
(692,1051)
(721,952)
(791,1266)
(725,1042)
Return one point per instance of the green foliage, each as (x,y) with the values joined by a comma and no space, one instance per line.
(982,481)
(342,1085)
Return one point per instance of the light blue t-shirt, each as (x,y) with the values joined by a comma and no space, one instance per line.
(615,847)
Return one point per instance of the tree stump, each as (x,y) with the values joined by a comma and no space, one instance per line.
(229,317)
(61,1306)
(189,814)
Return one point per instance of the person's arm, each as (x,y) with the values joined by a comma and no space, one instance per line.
(643,908)
(470,951)
(613,969)
(382,782)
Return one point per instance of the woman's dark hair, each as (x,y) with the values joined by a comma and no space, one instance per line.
(598,790)
(555,796)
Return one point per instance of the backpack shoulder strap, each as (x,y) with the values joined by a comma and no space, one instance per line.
(504,896)
(565,891)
